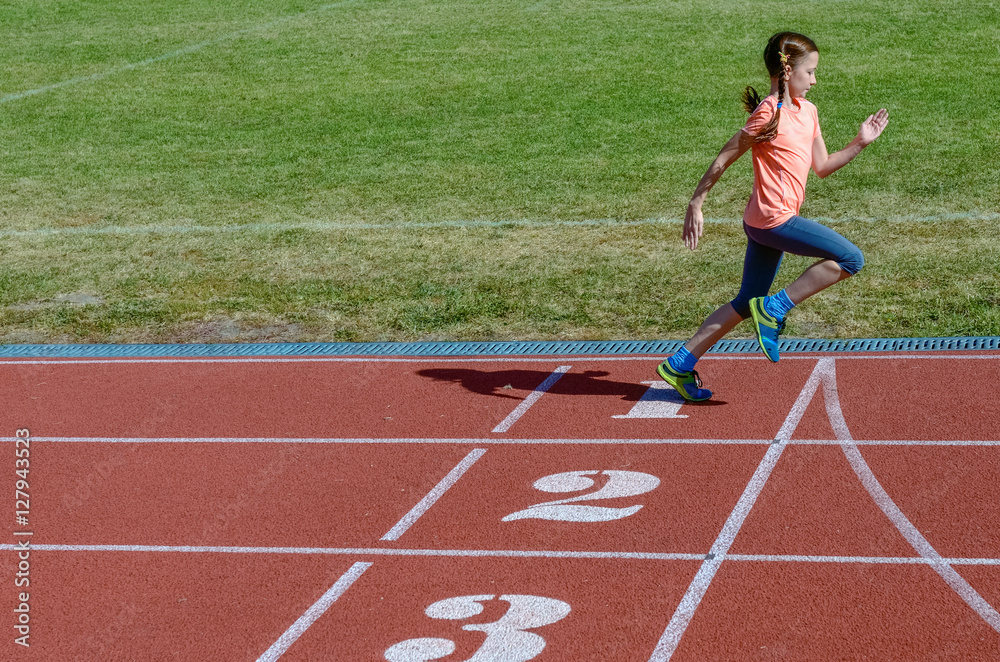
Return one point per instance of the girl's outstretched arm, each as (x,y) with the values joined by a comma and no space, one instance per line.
(871,129)
(731,152)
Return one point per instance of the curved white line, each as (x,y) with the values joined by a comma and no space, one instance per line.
(891,510)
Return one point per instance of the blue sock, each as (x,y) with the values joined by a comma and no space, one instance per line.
(777,306)
(683,360)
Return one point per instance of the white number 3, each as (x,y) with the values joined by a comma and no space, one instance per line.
(506,639)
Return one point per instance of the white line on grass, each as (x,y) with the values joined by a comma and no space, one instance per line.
(891,510)
(313,613)
(322,227)
(432,497)
(319,226)
(532,399)
(186,50)
(671,638)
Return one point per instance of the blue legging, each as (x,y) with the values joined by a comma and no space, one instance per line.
(799,236)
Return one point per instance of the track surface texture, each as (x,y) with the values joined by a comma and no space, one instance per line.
(833,506)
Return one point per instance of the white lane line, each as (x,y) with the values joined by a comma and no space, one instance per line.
(892,511)
(532,398)
(425,504)
(475,359)
(801,403)
(186,50)
(503,553)
(671,638)
(899,442)
(279,647)
(369,551)
(884,560)
(494,441)
(386,440)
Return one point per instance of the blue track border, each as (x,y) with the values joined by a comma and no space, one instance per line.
(492,348)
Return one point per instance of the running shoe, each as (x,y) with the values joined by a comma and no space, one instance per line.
(768,329)
(688,384)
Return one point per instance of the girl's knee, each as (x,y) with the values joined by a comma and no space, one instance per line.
(853,262)
(742,306)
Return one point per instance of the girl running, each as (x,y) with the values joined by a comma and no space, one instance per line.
(784,136)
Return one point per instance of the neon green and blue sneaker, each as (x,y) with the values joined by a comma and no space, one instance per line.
(768,329)
(688,384)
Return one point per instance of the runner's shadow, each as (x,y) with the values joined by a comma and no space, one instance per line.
(503,383)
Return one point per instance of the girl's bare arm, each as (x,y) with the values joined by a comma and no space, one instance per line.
(871,129)
(731,152)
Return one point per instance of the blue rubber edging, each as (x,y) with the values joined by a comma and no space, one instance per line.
(505,348)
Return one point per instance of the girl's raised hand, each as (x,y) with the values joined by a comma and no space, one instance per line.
(693,223)
(872,127)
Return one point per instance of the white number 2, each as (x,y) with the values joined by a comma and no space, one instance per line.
(506,639)
(620,484)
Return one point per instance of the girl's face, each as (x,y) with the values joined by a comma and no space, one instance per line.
(802,77)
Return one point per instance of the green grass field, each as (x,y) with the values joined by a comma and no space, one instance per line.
(293,170)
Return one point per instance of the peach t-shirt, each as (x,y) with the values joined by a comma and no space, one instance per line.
(781,166)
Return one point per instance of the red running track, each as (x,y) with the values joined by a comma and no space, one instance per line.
(829,507)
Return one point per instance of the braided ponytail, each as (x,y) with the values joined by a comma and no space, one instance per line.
(784,48)
(751,99)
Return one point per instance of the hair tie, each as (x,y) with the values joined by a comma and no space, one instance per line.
(779,104)
(784,58)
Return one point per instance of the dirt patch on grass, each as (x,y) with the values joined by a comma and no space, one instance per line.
(72,298)
(232,330)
